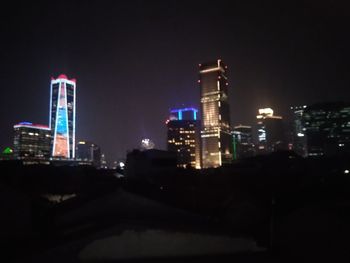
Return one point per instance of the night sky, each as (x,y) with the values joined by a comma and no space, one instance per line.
(133,60)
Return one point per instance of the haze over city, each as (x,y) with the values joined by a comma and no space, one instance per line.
(176,131)
(133,61)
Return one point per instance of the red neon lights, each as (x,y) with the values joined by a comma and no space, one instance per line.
(63,76)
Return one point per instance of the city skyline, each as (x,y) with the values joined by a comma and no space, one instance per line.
(131,72)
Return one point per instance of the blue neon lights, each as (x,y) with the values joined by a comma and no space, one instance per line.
(25,123)
(181,110)
(62,116)
(184,109)
(180,114)
(62,121)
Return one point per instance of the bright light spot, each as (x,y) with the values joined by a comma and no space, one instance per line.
(145,141)
(346,171)
(147,144)
(341,144)
(7,150)
(266,111)
(300,134)
(122,165)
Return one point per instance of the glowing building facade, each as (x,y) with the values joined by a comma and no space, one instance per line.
(62,117)
(270,131)
(216,136)
(31,141)
(327,129)
(183,137)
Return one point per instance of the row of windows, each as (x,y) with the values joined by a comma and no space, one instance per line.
(187,131)
(186,142)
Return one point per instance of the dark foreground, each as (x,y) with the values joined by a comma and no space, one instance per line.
(266,209)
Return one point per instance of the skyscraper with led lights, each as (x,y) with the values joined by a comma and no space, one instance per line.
(183,137)
(62,117)
(215,122)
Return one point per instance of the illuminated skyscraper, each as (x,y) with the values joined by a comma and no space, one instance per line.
(215,123)
(327,128)
(62,117)
(270,130)
(183,137)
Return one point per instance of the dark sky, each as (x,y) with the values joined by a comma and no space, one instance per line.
(133,60)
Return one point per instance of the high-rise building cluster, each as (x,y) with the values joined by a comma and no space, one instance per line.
(211,141)
(200,138)
(322,129)
(206,139)
(57,140)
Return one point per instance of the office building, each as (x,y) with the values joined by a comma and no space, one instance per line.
(184,137)
(270,132)
(88,152)
(327,128)
(243,145)
(298,134)
(216,138)
(62,117)
(31,141)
